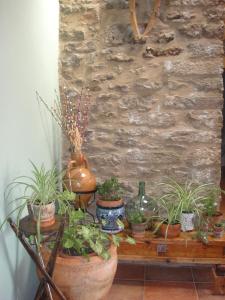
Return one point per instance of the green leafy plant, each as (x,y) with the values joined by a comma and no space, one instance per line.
(80,238)
(188,196)
(210,201)
(110,189)
(41,189)
(136,217)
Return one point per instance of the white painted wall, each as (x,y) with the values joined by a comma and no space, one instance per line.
(28,62)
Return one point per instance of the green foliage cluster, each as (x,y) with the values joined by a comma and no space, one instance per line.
(136,216)
(83,238)
(110,189)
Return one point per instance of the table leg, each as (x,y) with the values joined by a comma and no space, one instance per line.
(36,259)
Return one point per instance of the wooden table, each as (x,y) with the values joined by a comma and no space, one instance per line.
(185,249)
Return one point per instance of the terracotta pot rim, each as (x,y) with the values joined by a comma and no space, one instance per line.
(217,214)
(110,203)
(166,224)
(93,258)
(38,205)
(144,223)
(187,212)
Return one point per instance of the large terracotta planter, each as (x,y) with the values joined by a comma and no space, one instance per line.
(108,213)
(80,278)
(47,214)
(79,178)
(170,231)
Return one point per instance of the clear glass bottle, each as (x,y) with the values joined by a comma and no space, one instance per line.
(142,203)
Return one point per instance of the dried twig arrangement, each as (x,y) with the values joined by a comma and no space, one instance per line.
(71,114)
(138,36)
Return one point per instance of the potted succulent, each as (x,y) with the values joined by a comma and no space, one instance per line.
(138,222)
(218,230)
(210,204)
(110,206)
(188,197)
(87,263)
(40,191)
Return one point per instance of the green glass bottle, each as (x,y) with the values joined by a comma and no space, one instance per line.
(142,203)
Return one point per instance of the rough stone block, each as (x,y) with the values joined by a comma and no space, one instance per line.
(117,4)
(120,57)
(212,67)
(197,101)
(205,119)
(205,49)
(192,30)
(211,30)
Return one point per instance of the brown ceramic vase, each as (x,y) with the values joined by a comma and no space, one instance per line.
(80,278)
(170,231)
(79,178)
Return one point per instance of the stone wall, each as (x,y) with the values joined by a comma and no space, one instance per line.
(156,106)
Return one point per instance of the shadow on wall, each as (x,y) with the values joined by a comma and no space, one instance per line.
(15,258)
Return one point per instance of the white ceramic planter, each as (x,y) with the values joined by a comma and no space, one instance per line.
(47,214)
(187,221)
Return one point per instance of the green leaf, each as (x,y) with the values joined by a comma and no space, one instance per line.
(130,240)
(68,244)
(116,240)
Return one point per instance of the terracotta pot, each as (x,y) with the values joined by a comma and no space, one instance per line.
(218,231)
(80,278)
(138,230)
(108,213)
(109,203)
(212,220)
(170,231)
(79,178)
(47,214)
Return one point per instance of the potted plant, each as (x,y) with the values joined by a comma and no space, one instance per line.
(40,191)
(168,217)
(210,204)
(218,230)
(138,223)
(188,197)
(110,206)
(87,263)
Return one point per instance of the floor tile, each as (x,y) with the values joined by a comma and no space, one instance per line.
(130,272)
(202,274)
(126,290)
(205,290)
(171,273)
(169,291)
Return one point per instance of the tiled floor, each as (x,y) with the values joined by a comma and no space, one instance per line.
(160,282)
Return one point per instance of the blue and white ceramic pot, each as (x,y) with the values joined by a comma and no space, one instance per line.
(108,214)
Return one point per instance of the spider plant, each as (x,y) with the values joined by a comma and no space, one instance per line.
(188,196)
(38,190)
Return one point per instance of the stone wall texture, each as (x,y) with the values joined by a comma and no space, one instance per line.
(156,106)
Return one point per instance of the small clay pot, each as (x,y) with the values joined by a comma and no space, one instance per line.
(47,214)
(138,230)
(212,220)
(170,231)
(218,231)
